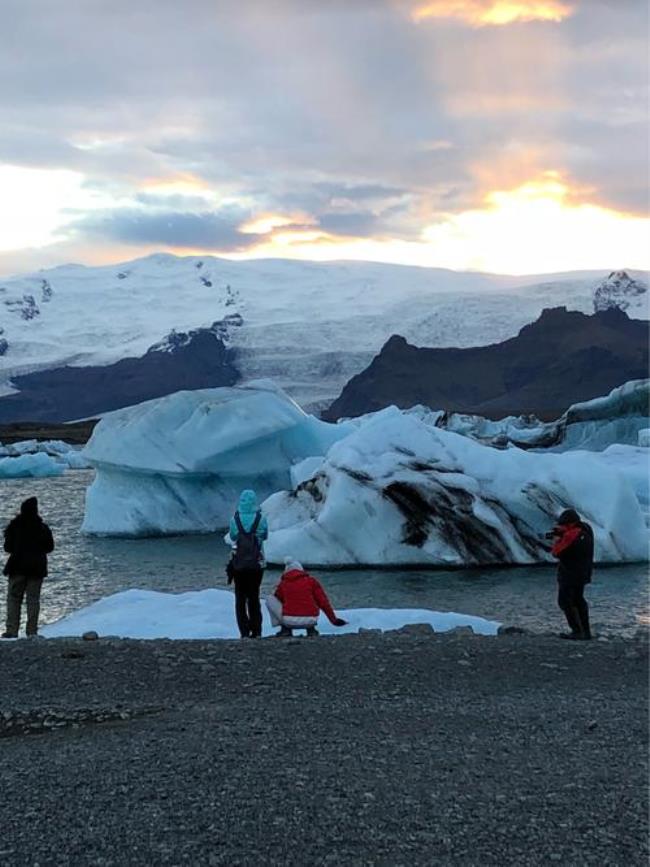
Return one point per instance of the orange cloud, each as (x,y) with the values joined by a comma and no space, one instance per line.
(269,223)
(483,13)
(180,182)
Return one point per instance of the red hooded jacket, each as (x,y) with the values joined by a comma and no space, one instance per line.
(574,548)
(301,595)
(570,534)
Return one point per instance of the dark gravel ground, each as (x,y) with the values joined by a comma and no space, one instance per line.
(401,749)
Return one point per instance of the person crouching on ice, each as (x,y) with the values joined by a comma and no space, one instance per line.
(297,601)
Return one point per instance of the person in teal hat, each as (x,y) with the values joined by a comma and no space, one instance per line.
(248,531)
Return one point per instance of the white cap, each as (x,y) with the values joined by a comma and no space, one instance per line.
(291,564)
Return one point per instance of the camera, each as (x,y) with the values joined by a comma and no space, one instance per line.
(550,535)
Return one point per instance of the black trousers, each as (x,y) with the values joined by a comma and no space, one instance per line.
(247,602)
(571,599)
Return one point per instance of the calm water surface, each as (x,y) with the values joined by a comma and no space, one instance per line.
(83,569)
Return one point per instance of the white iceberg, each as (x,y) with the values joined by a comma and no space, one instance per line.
(397,491)
(211,614)
(37,465)
(177,464)
(64,453)
(633,462)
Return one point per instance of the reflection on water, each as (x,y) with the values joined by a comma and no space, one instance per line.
(83,569)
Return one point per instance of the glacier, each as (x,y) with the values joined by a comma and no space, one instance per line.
(399,492)
(148,614)
(310,326)
(177,464)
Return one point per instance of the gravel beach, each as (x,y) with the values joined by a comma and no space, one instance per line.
(397,749)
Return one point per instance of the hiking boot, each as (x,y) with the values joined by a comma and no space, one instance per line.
(284,632)
(9,635)
(311,631)
(570,636)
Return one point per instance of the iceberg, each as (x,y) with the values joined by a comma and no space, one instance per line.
(619,417)
(633,462)
(177,464)
(65,454)
(150,614)
(37,465)
(397,491)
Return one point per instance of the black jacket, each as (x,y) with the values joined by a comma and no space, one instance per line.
(28,541)
(577,560)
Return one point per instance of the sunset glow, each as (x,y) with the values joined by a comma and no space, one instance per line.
(506,135)
(35,204)
(480,13)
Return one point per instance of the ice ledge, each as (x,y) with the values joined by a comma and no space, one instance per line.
(149,614)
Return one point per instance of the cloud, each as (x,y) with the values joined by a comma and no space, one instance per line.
(175,229)
(482,13)
(342,117)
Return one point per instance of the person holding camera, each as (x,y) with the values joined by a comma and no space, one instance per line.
(574,548)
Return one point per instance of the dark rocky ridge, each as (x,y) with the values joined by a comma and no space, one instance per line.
(197,359)
(77,433)
(562,358)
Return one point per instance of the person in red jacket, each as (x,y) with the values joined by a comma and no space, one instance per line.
(297,601)
(574,548)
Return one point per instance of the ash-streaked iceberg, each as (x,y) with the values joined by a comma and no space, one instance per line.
(397,491)
(177,464)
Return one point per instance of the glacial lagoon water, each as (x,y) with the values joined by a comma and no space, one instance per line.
(84,569)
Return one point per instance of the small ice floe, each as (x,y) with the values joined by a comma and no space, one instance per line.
(211,614)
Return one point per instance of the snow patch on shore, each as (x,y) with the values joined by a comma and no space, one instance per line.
(211,614)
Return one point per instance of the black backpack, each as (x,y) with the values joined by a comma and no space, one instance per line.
(248,553)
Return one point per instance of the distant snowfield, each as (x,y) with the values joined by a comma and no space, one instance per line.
(309,326)
(211,614)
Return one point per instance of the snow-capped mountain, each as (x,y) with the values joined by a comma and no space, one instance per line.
(309,326)
(622,291)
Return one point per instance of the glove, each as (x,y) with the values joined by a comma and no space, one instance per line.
(339,622)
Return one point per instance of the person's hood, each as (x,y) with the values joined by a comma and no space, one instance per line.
(568,518)
(247,502)
(29,508)
(294,575)
(292,565)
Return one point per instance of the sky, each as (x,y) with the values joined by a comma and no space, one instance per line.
(508,136)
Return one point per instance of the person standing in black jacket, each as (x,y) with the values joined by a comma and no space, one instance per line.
(574,548)
(28,541)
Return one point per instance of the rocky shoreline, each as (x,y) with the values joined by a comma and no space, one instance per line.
(75,433)
(410,747)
